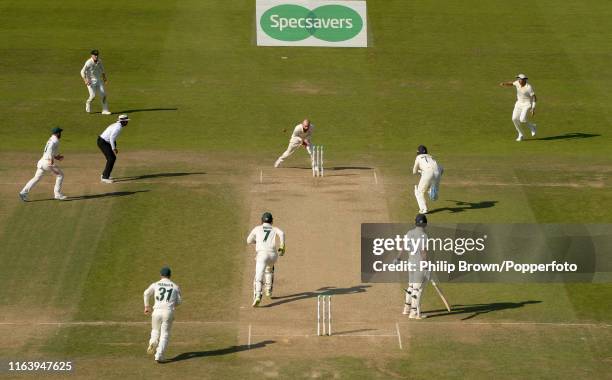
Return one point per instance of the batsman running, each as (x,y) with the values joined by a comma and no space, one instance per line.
(416,279)
(264,238)
(301,136)
(167,296)
(431,173)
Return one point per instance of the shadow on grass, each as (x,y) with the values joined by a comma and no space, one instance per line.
(478,309)
(567,136)
(219,352)
(144,110)
(464,206)
(328,291)
(94,196)
(155,175)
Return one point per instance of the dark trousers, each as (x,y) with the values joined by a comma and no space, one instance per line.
(106,148)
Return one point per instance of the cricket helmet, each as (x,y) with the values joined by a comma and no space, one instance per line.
(95,52)
(420,220)
(422,149)
(267,217)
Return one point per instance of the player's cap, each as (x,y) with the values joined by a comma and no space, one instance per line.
(123,118)
(165,272)
(420,220)
(422,149)
(95,52)
(521,76)
(267,217)
(56,130)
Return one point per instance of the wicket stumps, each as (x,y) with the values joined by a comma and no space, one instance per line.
(317,161)
(324,315)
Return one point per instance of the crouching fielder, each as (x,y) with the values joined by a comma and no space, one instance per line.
(48,164)
(301,136)
(167,297)
(416,279)
(431,173)
(264,238)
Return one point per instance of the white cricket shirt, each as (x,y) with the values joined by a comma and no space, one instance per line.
(264,237)
(167,294)
(525,93)
(92,71)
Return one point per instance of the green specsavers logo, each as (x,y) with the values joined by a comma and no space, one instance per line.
(331,23)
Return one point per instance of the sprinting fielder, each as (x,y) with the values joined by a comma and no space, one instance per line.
(107,142)
(48,163)
(94,76)
(416,279)
(301,136)
(264,238)
(167,296)
(430,172)
(525,103)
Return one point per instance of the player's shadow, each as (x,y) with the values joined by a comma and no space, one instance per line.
(567,136)
(327,290)
(478,309)
(144,110)
(219,352)
(154,175)
(349,168)
(95,196)
(464,206)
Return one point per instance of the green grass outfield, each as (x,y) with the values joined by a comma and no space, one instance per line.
(203,98)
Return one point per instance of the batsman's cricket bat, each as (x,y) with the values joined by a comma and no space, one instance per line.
(439,291)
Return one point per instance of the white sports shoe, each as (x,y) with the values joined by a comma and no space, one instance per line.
(151,348)
(87,107)
(106,180)
(422,211)
(107,112)
(406,310)
(533,129)
(23,197)
(417,316)
(256,301)
(519,138)
(60,197)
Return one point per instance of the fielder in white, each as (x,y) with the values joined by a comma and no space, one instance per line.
(48,163)
(167,297)
(417,280)
(94,76)
(301,136)
(264,238)
(525,104)
(430,172)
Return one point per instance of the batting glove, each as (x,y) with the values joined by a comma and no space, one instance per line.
(281,251)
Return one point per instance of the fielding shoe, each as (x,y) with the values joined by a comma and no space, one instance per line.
(106,112)
(106,180)
(60,197)
(417,316)
(151,348)
(519,138)
(23,197)
(533,129)
(256,300)
(87,107)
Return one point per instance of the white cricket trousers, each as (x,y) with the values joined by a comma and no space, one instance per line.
(264,261)
(294,144)
(428,179)
(520,115)
(414,293)
(161,324)
(42,167)
(92,89)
